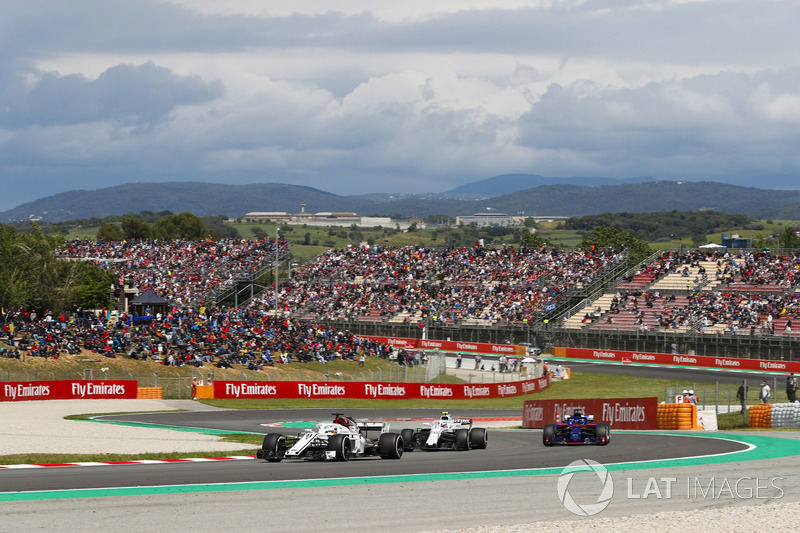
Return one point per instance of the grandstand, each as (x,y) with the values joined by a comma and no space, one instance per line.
(692,300)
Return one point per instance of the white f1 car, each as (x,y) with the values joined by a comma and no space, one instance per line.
(337,441)
(445,433)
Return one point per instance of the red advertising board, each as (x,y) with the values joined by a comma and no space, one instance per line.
(372,390)
(723,363)
(619,413)
(15,391)
(481,348)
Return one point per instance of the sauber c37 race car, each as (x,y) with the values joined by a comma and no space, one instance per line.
(576,429)
(340,440)
(447,433)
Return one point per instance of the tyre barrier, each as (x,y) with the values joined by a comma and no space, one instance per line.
(777,415)
(786,415)
(677,416)
(149,393)
(760,416)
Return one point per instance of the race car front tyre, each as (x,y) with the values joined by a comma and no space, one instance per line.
(340,445)
(390,446)
(548,434)
(462,440)
(273,449)
(603,433)
(408,439)
(478,438)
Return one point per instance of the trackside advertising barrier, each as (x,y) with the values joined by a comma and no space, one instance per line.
(15,391)
(619,413)
(723,363)
(380,391)
(481,348)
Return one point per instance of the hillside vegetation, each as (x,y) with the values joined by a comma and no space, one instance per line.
(208,199)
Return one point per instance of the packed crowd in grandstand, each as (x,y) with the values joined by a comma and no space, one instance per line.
(182,271)
(743,293)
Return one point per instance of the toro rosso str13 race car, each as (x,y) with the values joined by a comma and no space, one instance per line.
(339,440)
(576,429)
(447,433)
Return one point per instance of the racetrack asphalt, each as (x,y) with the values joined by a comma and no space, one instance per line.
(506,484)
(520,449)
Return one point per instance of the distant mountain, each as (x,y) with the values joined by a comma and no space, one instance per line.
(511,183)
(201,199)
(204,199)
(573,200)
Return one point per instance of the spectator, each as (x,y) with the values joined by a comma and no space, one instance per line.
(765,390)
(791,388)
(741,395)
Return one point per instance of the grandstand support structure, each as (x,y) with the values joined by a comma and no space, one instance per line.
(247,287)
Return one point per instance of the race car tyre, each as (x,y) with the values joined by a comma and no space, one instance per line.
(478,438)
(548,434)
(340,445)
(390,446)
(273,449)
(408,439)
(462,440)
(603,432)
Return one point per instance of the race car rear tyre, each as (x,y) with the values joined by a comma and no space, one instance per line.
(408,439)
(340,445)
(603,432)
(462,440)
(390,446)
(273,449)
(548,434)
(478,438)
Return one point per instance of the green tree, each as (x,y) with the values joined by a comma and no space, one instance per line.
(180,226)
(109,231)
(133,228)
(32,277)
(608,237)
(788,238)
(531,240)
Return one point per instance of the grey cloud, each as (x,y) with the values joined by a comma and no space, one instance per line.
(710,126)
(139,96)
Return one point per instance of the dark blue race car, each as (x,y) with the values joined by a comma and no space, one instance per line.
(576,429)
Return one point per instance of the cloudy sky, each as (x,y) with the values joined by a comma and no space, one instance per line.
(354,96)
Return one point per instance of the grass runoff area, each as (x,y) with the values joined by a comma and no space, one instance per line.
(582,385)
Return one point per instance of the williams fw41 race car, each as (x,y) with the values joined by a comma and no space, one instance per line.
(447,433)
(339,440)
(576,429)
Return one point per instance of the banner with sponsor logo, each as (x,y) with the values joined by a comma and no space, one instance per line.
(481,348)
(16,391)
(618,413)
(726,363)
(372,390)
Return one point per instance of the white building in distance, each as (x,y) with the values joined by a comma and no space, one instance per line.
(326,218)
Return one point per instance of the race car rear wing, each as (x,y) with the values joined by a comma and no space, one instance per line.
(383,427)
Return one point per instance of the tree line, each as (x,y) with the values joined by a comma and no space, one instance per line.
(181,226)
(663,225)
(33,278)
